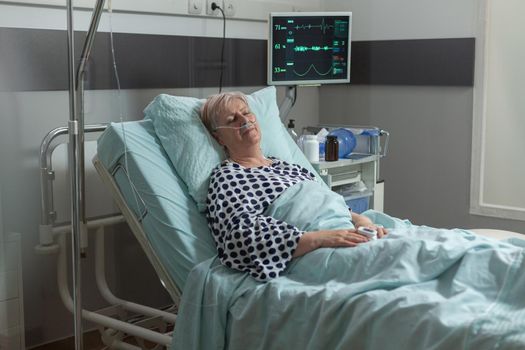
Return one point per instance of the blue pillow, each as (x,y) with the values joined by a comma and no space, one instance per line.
(195,153)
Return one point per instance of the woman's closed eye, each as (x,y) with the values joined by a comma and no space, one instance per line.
(235,118)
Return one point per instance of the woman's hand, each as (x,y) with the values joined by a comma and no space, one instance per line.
(328,239)
(363,221)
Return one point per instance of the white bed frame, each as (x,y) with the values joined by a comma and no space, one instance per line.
(122,319)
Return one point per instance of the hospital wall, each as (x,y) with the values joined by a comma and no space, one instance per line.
(27,113)
(427,169)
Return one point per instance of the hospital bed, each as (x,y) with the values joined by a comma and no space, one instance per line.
(227,309)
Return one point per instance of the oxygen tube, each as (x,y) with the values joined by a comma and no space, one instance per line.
(245,125)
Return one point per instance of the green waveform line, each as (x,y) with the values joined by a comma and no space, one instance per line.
(312,48)
(308,70)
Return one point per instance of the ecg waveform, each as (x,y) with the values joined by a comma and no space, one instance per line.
(321,26)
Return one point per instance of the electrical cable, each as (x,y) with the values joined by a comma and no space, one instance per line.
(214,7)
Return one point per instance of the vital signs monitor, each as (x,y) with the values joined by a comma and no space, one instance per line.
(307,48)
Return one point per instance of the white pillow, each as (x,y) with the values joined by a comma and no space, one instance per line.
(195,153)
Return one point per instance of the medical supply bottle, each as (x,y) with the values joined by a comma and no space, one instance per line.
(331,148)
(311,148)
(291,130)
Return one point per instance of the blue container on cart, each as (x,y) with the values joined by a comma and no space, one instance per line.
(347,141)
(358,205)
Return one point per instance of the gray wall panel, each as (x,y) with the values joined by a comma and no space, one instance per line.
(427,169)
(35,60)
(32,60)
(440,62)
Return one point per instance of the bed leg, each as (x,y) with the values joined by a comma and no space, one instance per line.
(109,296)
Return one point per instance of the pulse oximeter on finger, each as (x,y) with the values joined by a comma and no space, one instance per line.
(368,232)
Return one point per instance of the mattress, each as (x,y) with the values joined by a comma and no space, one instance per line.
(175,229)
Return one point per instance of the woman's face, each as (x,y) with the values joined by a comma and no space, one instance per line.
(228,134)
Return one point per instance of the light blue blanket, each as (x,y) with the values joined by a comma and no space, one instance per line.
(419,288)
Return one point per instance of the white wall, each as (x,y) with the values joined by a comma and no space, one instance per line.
(497,181)
(25,118)
(12,16)
(242,9)
(408,19)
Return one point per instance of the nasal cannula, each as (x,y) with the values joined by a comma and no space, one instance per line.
(243,126)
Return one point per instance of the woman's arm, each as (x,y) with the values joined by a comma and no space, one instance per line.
(337,238)
(258,244)
(310,241)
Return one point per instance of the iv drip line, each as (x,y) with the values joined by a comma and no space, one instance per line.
(119,98)
(134,190)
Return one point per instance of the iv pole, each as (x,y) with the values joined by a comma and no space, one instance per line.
(76,154)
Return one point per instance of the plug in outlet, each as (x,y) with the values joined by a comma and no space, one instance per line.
(194,7)
(229,8)
(209,10)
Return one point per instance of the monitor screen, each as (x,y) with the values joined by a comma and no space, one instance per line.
(307,48)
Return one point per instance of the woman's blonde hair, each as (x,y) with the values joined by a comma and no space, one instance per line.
(215,106)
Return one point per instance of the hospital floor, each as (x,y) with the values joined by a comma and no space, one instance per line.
(92,341)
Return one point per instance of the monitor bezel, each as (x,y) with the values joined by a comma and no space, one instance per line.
(270,80)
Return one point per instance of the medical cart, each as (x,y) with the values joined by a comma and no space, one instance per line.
(356,177)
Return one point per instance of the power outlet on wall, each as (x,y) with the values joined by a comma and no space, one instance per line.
(209,10)
(194,7)
(229,8)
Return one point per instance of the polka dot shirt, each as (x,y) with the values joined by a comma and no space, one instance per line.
(246,239)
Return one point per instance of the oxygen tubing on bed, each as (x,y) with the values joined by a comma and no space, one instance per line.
(243,126)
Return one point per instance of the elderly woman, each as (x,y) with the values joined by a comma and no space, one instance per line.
(242,188)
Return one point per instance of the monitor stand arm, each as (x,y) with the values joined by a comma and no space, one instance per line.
(288,102)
